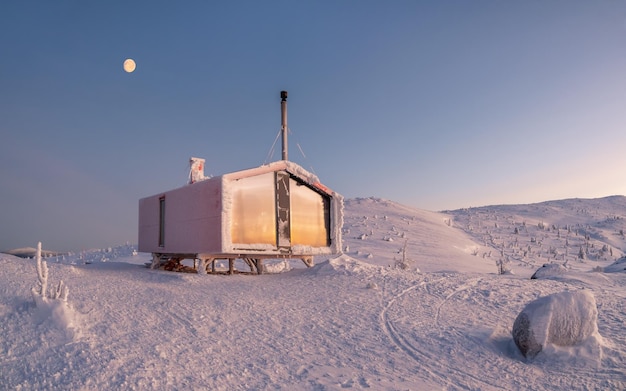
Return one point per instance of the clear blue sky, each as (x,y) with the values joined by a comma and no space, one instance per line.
(434,104)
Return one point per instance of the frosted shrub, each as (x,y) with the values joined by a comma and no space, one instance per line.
(40,291)
(52,306)
(403,263)
(502,266)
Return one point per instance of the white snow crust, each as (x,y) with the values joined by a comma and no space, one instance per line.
(355,321)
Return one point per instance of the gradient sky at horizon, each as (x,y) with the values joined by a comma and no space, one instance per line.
(436,105)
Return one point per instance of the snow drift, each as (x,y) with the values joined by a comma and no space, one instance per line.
(549,270)
(618,266)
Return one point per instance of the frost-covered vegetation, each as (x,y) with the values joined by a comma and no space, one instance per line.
(41,295)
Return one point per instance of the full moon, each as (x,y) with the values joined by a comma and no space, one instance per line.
(129,65)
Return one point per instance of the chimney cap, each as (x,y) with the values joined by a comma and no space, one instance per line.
(283,95)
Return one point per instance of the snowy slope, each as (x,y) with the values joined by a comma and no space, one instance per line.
(351,322)
(376,230)
(528,236)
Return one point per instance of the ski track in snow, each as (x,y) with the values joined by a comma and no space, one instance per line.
(459,289)
(462,343)
(437,372)
(402,343)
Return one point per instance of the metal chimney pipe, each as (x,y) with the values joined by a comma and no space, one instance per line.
(283,112)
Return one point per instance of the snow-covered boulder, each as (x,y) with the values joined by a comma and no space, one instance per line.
(549,270)
(563,319)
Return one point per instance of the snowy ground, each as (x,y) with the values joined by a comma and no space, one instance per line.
(353,321)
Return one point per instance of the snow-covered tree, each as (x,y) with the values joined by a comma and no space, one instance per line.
(404,263)
(502,265)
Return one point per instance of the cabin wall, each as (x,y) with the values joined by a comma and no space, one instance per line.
(148,238)
(310,216)
(253,222)
(192,220)
(253,210)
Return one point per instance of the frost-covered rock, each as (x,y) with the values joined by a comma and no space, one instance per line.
(549,270)
(563,319)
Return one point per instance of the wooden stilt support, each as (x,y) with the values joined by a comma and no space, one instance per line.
(156,261)
(251,264)
(308,261)
(202,266)
(204,263)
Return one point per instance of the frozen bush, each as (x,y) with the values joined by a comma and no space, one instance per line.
(40,291)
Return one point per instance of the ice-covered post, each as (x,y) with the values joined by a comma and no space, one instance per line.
(42,275)
(156,261)
(202,266)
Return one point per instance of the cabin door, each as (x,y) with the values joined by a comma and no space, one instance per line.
(283,228)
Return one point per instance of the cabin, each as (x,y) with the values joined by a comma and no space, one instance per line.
(275,211)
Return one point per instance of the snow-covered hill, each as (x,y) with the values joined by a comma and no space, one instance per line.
(580,233)
(351,322)
(29,252)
